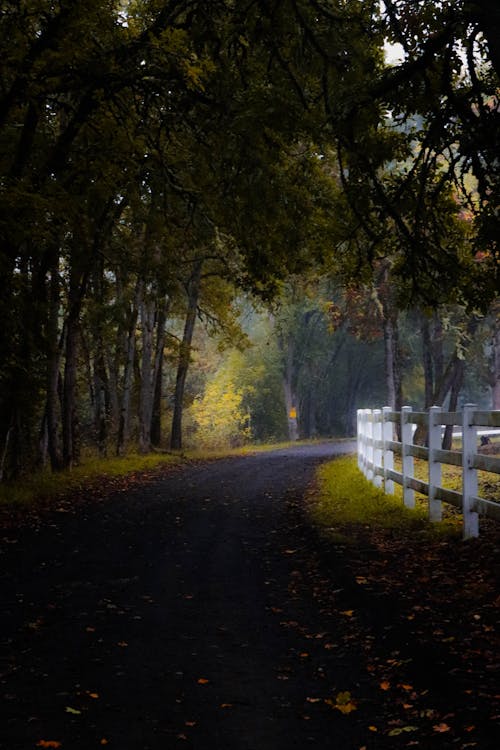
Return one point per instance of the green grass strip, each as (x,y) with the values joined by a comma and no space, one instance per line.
(345,498)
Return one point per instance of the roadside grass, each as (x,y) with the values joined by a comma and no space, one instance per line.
(346,500)
(46,484)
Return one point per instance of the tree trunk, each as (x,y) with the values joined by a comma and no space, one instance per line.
(69,420)
(427,361)
(495,389)
(124,423)
(147,314)
(53,374)
(392,379)
(100,379)
(158,373)
(193,291)
(455,388)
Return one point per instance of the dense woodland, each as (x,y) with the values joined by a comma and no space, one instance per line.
(215,215)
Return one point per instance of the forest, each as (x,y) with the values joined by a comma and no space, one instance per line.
(240,221)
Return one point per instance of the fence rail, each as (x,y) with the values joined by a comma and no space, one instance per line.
(376,448)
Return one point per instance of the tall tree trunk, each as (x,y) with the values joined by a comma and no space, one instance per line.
(100,378)
(52,408)
(70,419)
(427,360)
(455,388)
(128,374)
(147,315)
(193,292)
(392,376)
(158,373)
(495,385)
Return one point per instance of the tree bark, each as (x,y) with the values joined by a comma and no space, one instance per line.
(455,388)
(53,373)
(193,292)
(69,419)
(495,388)
(128,374)
(155,434)
(147,313)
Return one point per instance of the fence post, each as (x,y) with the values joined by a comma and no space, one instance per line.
(407,460)
(377,450)
(359,437)
(369,444)
(388,454)
(469,474)
(435,510)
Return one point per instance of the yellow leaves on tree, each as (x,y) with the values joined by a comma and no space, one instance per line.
(219,415)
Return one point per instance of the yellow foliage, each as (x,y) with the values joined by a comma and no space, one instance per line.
(219,415)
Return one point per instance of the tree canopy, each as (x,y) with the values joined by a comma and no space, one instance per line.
(147,146)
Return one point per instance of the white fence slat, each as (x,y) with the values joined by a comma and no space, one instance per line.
(388,457)
(435,509)
(469,473)
(377,447)
(406,439)
(487,419)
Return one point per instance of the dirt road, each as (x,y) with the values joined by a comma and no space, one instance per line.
(179,614)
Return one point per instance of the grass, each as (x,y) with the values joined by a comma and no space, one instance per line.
(46,484)
(347,500)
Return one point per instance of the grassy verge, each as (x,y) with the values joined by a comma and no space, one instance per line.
(46,484)
(347,501)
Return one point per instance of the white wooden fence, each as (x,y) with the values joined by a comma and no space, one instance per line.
(377,446)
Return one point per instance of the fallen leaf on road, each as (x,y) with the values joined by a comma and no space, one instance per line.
(202,681)
(48,743)
(347,612)
(400,730)
(441,727)
(70,710)
(384,685)
(343,702)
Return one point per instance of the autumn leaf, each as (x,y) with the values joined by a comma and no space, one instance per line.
(347,612)
(441,727)
(93,695)
(226,705)
(202,681)
(400,730)
(313,700)
(70,710)
(384,685)
(48,743)
(343,702)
